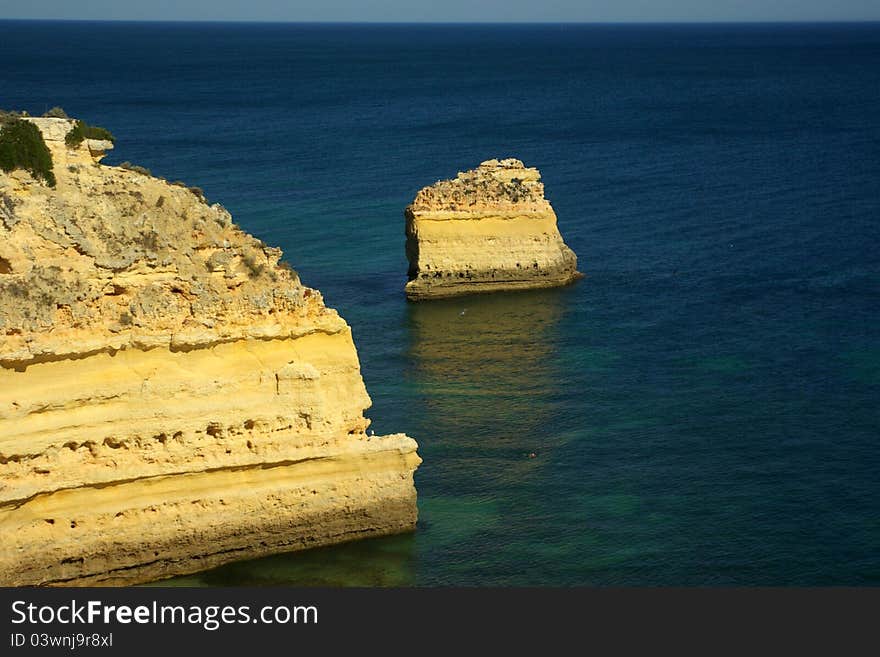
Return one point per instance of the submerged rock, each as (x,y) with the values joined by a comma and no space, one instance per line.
(172,397)
(488,229)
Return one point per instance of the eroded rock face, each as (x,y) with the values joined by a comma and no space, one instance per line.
(171,397)
(488,229)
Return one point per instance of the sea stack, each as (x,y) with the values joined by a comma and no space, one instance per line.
(172,397)
(486,230)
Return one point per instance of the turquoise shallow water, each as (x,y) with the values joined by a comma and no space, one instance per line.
(703,406)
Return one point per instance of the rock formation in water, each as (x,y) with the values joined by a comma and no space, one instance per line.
(488,229)
(171,397)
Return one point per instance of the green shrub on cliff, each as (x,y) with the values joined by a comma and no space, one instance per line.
(22,147)
(56,113)
(82,130)
(8,116)
(137,169)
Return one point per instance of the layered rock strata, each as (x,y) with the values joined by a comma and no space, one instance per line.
(171,397)
(488,229)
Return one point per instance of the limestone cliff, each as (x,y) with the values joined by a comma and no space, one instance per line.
(171,397)
(488,229)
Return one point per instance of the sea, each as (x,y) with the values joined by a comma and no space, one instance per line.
(703,407)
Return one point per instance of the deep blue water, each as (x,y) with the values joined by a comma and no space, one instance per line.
(704,405)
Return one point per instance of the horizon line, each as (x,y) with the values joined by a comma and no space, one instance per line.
(848,21)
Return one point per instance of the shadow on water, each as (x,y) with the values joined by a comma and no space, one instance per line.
(486,378)
(483,370)
(386,561)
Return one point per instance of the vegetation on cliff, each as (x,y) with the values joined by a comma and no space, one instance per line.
(56,113)
(22,147)
(82,130)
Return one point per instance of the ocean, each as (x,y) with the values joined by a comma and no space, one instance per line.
(704,406)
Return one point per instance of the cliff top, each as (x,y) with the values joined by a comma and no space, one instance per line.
(505,184)
(112,257)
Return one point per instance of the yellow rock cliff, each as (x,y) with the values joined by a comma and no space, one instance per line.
(488,229)
(171,397)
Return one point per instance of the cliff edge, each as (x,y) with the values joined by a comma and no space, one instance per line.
(172,397)
(488,229)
